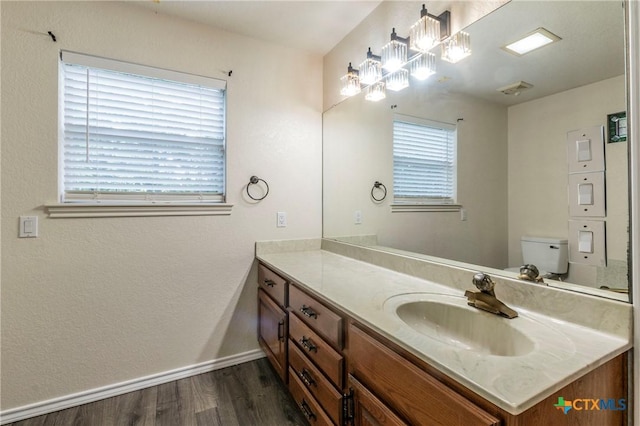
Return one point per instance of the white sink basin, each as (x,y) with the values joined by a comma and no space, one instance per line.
(450,320)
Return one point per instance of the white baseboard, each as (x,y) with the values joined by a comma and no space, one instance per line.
(60,403)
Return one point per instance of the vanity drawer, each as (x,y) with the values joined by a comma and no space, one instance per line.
(320,318)
(317,350)
(408,390)
(306,402)
(273,284)
(316,383)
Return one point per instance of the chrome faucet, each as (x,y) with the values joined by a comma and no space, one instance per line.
(486,298)
(530,273)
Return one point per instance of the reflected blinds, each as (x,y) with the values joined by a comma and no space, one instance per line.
(424,160)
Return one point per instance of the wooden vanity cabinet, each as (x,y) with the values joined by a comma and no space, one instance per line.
(340,372)
(317,363)
(272,319)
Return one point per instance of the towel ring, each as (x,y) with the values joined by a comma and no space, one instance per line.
(379,185)
(254,180)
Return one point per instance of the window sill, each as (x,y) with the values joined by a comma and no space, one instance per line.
(412,208)
(77,210)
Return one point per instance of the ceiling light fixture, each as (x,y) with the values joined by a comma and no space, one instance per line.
(424,66)
(370,70)
(375,92)
(394,53)
(350,82)
(456,47)
(429,30)
(398,80)
(532,41)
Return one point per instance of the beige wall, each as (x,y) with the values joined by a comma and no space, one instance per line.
(93,302)
(538,202)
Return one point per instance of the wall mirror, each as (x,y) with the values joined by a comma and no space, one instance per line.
(512,156)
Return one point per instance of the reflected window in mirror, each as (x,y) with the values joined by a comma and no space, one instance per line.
(424,161)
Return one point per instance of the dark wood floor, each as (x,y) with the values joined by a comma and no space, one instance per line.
(245,395)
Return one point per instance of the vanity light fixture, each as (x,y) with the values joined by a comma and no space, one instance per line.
(456,47)
(394,53)
(424,66)
(532,41)
(375,92)
(391,68)
(429,30)
(398,80)
(350,82)
(370,70)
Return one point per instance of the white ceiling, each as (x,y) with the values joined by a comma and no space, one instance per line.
(314,26)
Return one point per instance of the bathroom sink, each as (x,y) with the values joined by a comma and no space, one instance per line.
(450,320)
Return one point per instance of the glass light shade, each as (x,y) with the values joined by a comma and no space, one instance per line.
(424,34)
(424,66)
(457,47)
(350,83)
(398,80)
(394,55)
(375,92)
(370,71)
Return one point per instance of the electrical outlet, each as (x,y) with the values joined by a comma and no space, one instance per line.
(282,220)
(463,214)
(357,217)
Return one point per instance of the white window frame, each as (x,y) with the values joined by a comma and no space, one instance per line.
(143,203)
(417,204)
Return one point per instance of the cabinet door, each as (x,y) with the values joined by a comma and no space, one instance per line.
(411,392)
(369,410)
(272,332)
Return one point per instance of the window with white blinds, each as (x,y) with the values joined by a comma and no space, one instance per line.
(424,161)
(131,133)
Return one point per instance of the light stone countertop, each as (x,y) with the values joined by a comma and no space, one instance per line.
(564,349)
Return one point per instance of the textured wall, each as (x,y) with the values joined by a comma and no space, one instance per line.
(93,302)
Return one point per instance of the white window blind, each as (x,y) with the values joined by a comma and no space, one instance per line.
(132,133)
(424,161)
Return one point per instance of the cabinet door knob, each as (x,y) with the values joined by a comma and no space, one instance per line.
(308,344)
(269,283)
(308,312)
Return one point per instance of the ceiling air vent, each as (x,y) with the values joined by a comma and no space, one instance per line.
(516,88)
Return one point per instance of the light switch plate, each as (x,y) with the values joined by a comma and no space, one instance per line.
(587,195)
(587,242)
(28,227)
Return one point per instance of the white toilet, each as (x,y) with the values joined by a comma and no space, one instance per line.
(549,255)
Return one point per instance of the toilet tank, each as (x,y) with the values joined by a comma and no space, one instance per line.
(548,254)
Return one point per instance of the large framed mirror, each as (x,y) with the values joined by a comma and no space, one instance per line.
(511,159)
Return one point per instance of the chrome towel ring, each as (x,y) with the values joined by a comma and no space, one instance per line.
(253,180)
(380,186)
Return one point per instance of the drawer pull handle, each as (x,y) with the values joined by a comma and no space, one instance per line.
(269,283)
(308,312)
(306,410)
(305,376)
(308,344)
(281,331)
